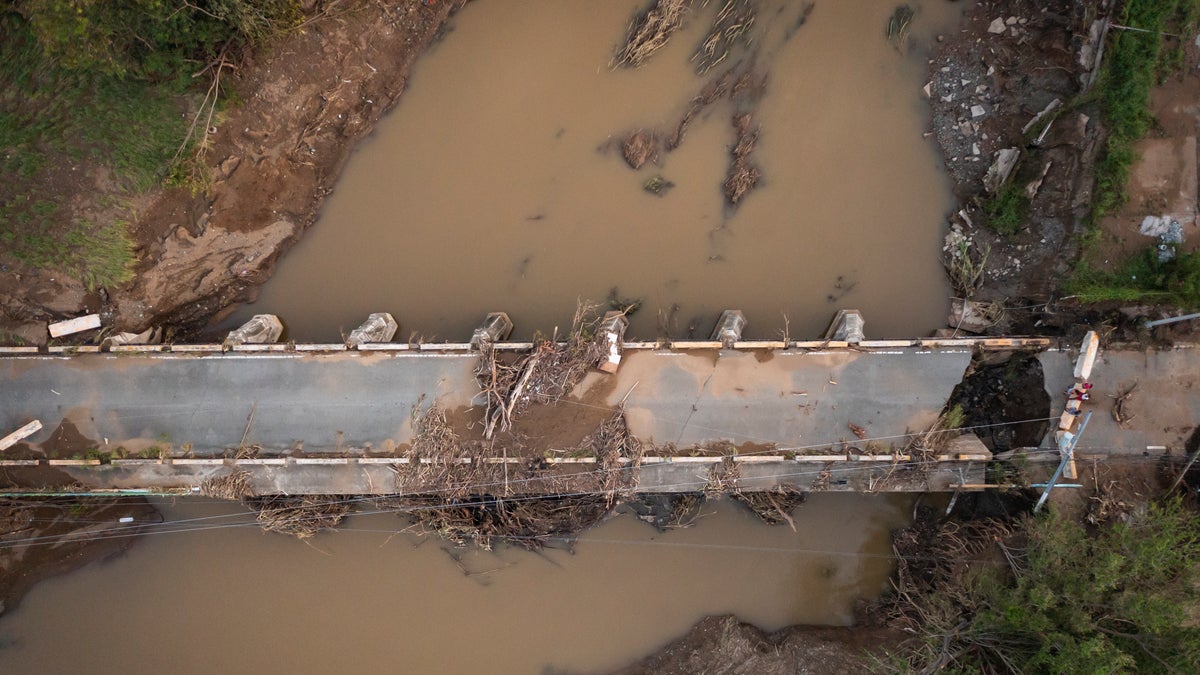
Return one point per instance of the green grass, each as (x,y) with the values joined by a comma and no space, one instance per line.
(133,126)
(50,120)
(1142,278)
(1006,212)
(1135,62)
(99,255)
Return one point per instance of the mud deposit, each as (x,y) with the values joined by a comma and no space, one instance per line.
(364,598)
(499,182)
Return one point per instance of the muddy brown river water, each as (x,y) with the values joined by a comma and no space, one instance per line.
(487,188)
(365,599)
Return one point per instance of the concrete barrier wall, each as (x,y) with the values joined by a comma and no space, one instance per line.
(984,343)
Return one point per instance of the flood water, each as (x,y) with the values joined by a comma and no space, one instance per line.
(487,188)
(366,599)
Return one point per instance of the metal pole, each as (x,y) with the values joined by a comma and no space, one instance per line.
(1063,464)
(1173,319)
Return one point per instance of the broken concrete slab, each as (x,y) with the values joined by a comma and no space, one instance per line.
(1001,169)
(76,325)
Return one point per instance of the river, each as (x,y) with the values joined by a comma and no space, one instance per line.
(490,187)
(366,599)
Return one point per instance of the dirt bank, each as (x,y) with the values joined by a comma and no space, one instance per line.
(722,644)
(274,158)
(1009,61)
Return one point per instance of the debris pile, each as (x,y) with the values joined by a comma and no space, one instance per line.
(235,485)
(650,31)
(302,516)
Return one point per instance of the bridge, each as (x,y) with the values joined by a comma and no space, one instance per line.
(330,419)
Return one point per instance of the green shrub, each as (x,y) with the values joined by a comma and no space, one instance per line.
(1006,212)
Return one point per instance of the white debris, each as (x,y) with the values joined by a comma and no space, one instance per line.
(997,26)
(999,171)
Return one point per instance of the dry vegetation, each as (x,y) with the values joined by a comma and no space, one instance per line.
(743,174)
(235,485)
(650,32)
(544,376)
(301,516)
(730,43)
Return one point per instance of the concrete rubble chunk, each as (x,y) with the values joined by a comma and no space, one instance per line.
(729,327)
(76,325)
(1001,169)
(259,330)
(1155,226)
(970,316)
(379,327)
(968,445)
(1050,107)
(20,434)
(1088,350)
(997,26)
(847,326)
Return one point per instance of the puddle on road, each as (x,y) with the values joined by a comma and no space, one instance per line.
(366,599)
(486,188)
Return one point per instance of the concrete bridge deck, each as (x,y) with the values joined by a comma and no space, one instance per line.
(322,417)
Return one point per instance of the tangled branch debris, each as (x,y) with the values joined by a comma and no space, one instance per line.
(481,519)
(233,485)
(639,147)
(927,446)
(450,488)
(302,516)
(898,25)
(731,25)
(965,265)
(543,376)
(743,174)
(650,31)
(934,560)
(773,507)
(1120,411)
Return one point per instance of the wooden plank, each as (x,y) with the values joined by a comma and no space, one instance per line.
(20,435)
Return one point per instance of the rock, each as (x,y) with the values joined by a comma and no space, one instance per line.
(1012,20)
(1001,169)
(969,315)
(978,111)
(228,166)
(1155,226)
(997,26)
